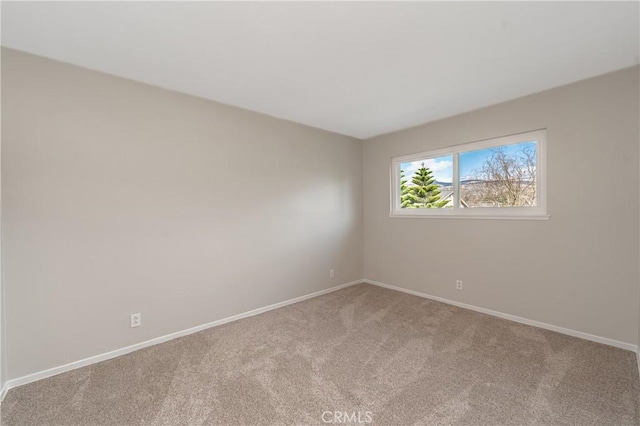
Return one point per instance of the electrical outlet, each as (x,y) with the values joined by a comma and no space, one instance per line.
(458,285)
(332,273)
(136,320)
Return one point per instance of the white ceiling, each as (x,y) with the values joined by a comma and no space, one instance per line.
(359,69)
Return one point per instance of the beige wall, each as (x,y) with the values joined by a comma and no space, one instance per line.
(578,270)
(120,197)
(3,370)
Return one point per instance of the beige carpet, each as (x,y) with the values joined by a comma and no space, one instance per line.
(392,358)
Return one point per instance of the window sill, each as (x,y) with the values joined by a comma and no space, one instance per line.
(470,216)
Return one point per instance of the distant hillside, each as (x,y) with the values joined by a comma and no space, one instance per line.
(468,182)
(462,182)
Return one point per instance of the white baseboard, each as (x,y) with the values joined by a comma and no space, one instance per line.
(118,352)
(3,392)
(574,333)
(10,384)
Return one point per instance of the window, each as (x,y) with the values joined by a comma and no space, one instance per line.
(496,178)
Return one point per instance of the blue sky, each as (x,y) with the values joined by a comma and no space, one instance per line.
(470,161)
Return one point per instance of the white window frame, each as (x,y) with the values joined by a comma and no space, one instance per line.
(539,212)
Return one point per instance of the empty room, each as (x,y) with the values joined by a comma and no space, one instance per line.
(320,213)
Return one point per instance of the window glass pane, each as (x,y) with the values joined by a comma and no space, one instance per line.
(427,183)
(503,176)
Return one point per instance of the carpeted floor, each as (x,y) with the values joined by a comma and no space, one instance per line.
(362,354)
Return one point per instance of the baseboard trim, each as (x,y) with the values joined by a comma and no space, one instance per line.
(567,331)
(3,392)
(10,384)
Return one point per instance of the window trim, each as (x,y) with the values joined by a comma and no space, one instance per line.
(518,213)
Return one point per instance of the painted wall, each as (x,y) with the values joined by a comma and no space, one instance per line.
(119,197)
(578,270)
(3,370)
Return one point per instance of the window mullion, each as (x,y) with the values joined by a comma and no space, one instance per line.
(456,182)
